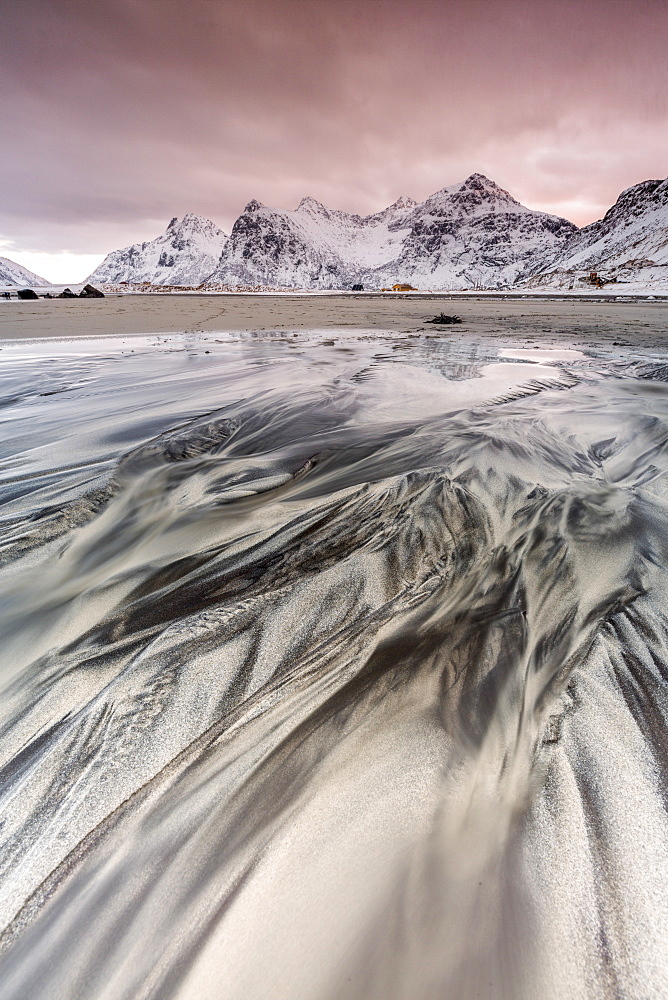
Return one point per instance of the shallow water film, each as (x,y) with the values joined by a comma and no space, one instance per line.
(334,665)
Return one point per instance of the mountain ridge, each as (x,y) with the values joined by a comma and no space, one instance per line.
(469,234)
(630,242)
(473,232)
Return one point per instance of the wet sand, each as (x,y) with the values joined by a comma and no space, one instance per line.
(334,662)
(578,322)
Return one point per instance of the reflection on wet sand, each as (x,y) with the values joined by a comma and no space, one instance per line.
(332,670)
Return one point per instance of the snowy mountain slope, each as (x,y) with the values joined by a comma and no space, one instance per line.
(470,233)
(185,254)
(13,274)
(474,233)
(629,244)
(312,246)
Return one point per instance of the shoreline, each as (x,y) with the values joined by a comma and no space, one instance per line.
(598,320)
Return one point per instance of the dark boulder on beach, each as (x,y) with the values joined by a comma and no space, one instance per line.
(90,292)
(67,293)
(27,293)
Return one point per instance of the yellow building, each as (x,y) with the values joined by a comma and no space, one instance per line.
(403,288)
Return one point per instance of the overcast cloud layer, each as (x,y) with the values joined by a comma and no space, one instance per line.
(119,114)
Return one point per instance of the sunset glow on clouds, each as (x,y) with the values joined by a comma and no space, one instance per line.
(120,114)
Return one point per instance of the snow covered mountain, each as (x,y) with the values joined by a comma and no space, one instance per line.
(467,234)
(471,234)
(629,244)
(13,274)
(185,254)
(310,247)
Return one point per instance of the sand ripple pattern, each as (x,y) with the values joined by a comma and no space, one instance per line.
(326,675)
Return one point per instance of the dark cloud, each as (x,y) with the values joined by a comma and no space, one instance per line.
(119,114)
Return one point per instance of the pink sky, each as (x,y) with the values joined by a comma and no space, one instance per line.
(119,114)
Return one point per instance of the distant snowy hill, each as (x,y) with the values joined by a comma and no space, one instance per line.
(629,244)
(185,254)
(467,234)
(20,277)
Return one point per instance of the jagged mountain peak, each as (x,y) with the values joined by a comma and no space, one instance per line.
(254,206)
(396,216)
(638,199)
(479,182)
(186,221)
(190,223)
(649,188)
(474,195)
(402,202)
(309,204)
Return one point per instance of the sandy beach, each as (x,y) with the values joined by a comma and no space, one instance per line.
(334,649)
(574,321)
